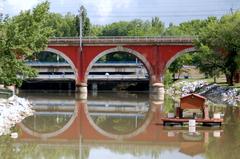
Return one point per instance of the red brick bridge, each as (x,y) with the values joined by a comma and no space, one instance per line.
(156,53)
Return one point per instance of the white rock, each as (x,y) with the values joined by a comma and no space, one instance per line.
(13,111)
(14,135)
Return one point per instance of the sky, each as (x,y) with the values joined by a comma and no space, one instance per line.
(108,11)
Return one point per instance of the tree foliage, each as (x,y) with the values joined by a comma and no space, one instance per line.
(117,57)
(208,62)
(63,25)
(222,39)
(86,23)
(20,37)
(136,27)
(177,65)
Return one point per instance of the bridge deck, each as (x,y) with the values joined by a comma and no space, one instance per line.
(122,40)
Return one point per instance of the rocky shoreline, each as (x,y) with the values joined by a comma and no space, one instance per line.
(12,111)
(214,93)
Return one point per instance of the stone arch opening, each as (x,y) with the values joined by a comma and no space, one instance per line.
(177,55)
(122,50)
(69,61)
(54,68)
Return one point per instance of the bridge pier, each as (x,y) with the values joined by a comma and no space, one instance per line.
(81,91)
(158,90)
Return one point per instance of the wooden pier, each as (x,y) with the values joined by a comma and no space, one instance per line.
(193,102)
(181,121)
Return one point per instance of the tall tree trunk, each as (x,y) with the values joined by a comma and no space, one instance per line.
(179,73)
(231,66)
(237,77)
(229,78)
(173,76)
(214,79)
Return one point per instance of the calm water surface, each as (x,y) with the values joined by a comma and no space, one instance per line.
(118,126)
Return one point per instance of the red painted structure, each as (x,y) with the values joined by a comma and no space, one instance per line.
(156,53)
(82,124)
(82,127)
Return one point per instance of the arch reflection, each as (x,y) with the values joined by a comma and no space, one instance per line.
(119,116)
(85,137)
(54,114)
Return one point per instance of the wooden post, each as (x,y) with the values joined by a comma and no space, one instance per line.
(206,113)
(177,112)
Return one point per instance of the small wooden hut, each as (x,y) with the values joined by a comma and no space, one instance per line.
(192,101)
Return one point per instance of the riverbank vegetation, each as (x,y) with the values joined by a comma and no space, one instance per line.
(216,40)
(20,37)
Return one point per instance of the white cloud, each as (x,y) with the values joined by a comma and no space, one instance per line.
(15,6)
(1,7)
(62,2)
(105,8)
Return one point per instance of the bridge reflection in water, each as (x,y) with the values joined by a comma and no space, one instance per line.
(120,125)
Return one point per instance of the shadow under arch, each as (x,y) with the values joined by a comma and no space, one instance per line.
(142,128)
(178,54)
(55,51)
(51,134)
(125,50)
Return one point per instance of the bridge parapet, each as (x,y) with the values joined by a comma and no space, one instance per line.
(122,40)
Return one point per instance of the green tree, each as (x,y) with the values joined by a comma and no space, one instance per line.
(222,37)
(192,28)
(177,65)
(136,27)
(64,26)
(208,62)
(117,57)
(86,23)
(116,29)
(96,30)
(157,26)
(168,80)
(20,37)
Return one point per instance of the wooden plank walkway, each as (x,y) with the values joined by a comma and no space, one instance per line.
(207,122)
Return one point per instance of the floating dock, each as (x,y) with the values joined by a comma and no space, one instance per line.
(193,102)
(181,121)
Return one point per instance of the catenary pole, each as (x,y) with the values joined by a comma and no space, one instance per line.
(81,27)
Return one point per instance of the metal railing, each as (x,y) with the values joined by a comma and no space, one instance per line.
(98,63)
(94,77)
(124,39)
(41,63)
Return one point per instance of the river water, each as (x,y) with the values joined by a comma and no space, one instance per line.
(117,125)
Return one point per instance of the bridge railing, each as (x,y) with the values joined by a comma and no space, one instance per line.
(43,63)
(136,37)
(124,39)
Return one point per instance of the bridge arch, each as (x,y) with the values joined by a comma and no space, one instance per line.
(120,49)
(65,57)
(51,134)
(178,54)
(139,130)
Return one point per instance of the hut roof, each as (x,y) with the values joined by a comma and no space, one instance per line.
(193,94)
(192,101)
